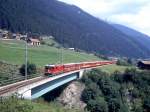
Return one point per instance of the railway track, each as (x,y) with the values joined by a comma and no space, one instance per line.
(13,87)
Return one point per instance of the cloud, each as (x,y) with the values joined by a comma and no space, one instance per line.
(128,12)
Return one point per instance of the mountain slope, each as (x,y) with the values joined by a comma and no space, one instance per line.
(135,35)
(69,25)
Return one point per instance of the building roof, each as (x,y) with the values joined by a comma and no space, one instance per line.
(34,40)
(145,62)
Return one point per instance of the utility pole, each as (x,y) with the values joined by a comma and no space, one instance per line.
(62,39)
(62,55)
(26,58)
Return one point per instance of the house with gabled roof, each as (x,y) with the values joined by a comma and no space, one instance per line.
(34,42)
(144,64)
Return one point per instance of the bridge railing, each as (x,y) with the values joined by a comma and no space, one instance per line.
(15,79)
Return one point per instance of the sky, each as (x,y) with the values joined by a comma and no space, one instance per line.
(132,13)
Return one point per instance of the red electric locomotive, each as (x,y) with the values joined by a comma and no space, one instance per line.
(57,69)
(53,69)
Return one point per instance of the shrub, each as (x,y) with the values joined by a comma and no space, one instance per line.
(135,93)
(122,62)
(118,77)
(99,105)
(91,92)
(13,104)
(114,105)
(31,69)
(146,104)
(43,42)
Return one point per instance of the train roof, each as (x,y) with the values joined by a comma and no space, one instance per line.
(69,63)
(52,65)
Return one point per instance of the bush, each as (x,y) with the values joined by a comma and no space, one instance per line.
(95,75)
(85,79)
(43,42)
(13,104)
(114,105)
(31,69)
(129,75)
(146,104)
(122,62)
(124,108)
(99,105)
(108,87)
(91,92)
(135,93)
(118,77)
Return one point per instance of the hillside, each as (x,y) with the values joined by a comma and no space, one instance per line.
(13,51)
(69,25)
(135,35)
(13,104)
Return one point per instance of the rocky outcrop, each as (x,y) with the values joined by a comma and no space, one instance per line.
(71,96)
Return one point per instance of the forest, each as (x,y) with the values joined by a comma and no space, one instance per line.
(118,92)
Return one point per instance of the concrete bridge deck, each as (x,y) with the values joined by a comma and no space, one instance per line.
(36,87)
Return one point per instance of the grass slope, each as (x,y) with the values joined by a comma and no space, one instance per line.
(50,107)
(112,68)
(13,51)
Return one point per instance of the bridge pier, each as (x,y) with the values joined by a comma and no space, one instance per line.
(81,74)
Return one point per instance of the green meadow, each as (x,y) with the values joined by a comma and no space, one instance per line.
(13,51)
(112,68)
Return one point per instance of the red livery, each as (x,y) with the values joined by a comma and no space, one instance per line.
(57,69)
